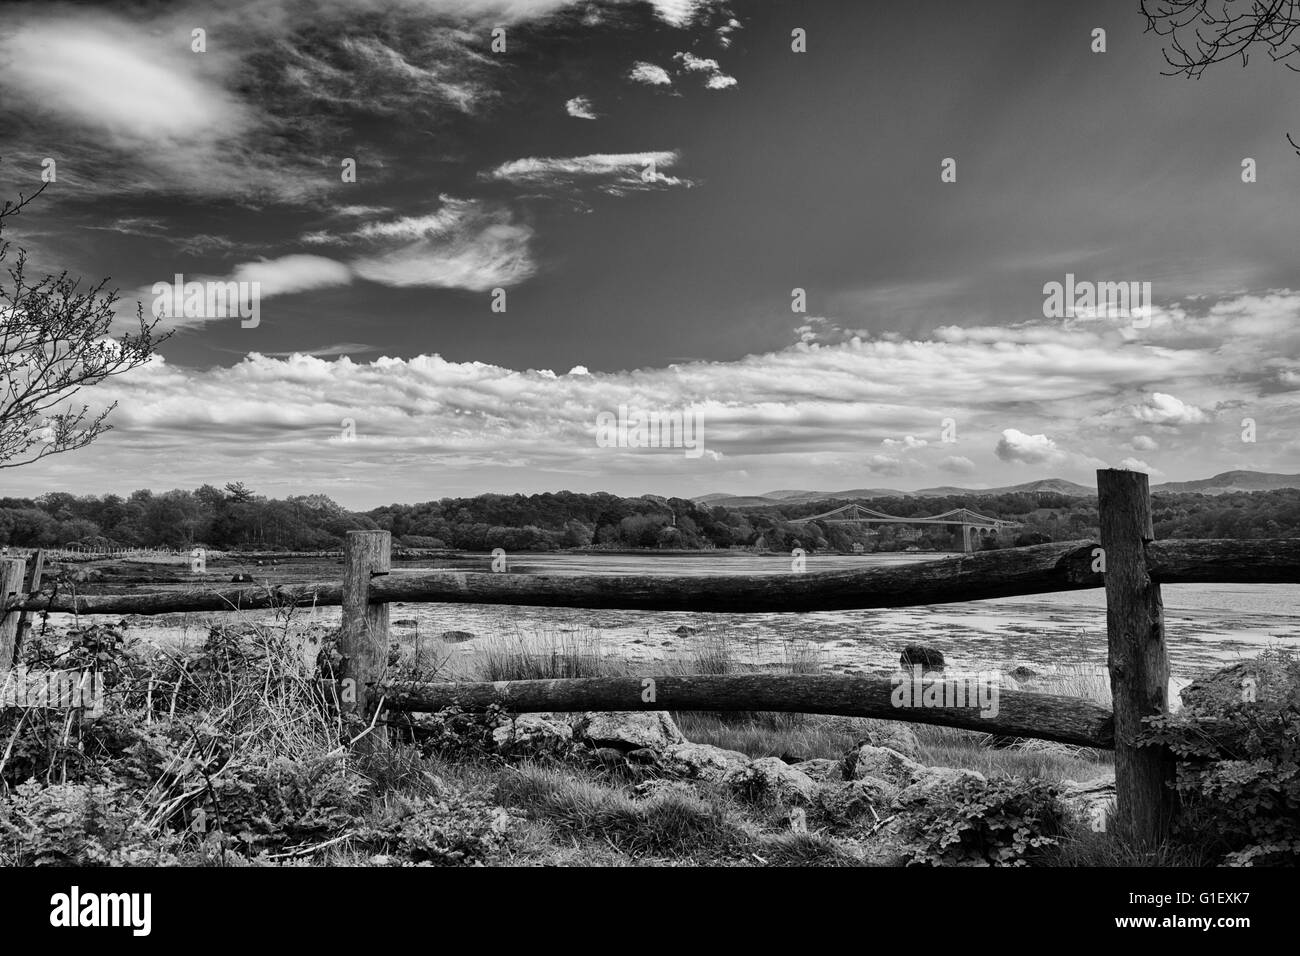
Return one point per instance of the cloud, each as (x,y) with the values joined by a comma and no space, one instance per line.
(677,13)
(1134,464)
(957,465)
(580,108)
(295,273)
(1161,409)
(908,442)
(797,417)
(715,78)
(1015,445)
(613,173)
(649,74)
(249,119)
(884,465)
(496,255)
(134,88)
(1144,443)
(724,32)
(463,244)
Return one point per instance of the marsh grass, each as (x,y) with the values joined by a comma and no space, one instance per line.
(247,705)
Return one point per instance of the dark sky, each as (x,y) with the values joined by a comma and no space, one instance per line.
(774,170)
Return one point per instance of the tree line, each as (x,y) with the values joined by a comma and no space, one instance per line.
(234,517)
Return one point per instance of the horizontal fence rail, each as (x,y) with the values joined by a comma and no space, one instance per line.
(1040,569)
(1018,713)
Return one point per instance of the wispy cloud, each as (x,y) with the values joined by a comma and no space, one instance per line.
(614,173)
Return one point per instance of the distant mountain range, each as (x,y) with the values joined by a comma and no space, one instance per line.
(1228,482)
(1231,481)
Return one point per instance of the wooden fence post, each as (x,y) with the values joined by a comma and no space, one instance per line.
(12,571)
(363,641)
(1139,663)
(31,585)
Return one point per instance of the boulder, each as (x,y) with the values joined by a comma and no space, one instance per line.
(532,732)
(1271,679)
(935,778)
(700,761)
(455,637)
(918,655)
(892,734)
(857,798)
(1094,800)
(770,779)
(821,769)
(884,763)
(627,730)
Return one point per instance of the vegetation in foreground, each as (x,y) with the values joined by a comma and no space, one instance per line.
(228,755)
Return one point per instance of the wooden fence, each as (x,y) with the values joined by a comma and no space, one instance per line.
(1127,562)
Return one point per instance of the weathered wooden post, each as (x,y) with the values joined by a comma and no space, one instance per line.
(35,569)
(1139,663)
(12,571)
(363,640)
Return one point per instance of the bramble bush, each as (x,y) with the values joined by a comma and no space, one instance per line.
(226,755)
(1239,766)
(1004,822)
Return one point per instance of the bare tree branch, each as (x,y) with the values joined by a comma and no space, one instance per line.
(56,338)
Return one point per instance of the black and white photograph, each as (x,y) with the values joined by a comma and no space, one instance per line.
(466,435)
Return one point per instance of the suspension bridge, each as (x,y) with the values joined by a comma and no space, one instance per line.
(972,523)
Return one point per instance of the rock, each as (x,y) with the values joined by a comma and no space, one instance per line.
(456,636)
(918,655)
(821,769)
(242,579)
(532,732)
(895,735)
(798,820)
(770,779)
(642,755)
(1022,672)
(404,622)
(1271,679)
(685,630)
(857,798)
(1094,800)
(700,761)
(627,730)
(883,762)
(936,778)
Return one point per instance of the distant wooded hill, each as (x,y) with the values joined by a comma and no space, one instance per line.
(1227,483)
(235,517)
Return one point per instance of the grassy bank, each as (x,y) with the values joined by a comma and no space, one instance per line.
(229,755)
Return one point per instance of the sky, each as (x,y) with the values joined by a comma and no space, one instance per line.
(834,259)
